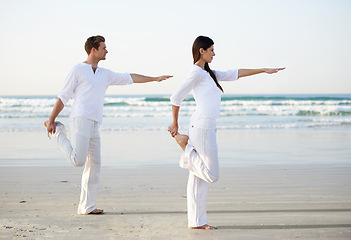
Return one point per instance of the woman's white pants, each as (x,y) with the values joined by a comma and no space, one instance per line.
(83,148)
(201,158)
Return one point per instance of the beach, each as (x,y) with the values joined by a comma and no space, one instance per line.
(274,184)
(285,167)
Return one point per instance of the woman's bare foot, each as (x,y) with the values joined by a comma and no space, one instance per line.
(182,140)
(205,227)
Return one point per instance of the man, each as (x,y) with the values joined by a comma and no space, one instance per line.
(87,84)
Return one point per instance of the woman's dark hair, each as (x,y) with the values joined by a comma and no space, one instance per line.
(204,43)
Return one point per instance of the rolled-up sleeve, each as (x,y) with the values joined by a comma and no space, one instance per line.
(69,85)
(180,94)
(115,78)
(230,75)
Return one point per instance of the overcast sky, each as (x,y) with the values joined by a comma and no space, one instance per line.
(42,40)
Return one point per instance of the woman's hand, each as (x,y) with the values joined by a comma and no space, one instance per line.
(50,126)
(249,72)
(173,129)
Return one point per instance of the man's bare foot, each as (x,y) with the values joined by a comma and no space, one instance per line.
(97,211)
(182,140)
(205,227)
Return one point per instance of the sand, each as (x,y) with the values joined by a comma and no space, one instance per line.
(147,200)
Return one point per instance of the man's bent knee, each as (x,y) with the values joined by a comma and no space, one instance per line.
(76,162)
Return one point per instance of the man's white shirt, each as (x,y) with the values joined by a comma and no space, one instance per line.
(88,89)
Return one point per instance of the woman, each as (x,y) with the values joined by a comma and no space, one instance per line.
(200,154)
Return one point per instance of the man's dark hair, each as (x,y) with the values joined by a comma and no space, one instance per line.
(93,42)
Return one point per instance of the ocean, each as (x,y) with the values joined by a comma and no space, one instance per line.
(153,112)
(253,130)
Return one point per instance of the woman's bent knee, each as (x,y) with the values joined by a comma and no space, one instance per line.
(214,176)
(213,179)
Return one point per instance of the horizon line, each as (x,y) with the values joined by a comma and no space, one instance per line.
(162,94)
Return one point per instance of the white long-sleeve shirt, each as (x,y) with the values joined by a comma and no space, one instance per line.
(88,89)
(205,91)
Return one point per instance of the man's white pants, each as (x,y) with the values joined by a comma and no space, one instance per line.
(84,148)
(201,158)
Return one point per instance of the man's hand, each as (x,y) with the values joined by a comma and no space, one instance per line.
(137,78)
(163,77)
(50,124)
(273,70)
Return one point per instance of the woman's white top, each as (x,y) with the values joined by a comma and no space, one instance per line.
(205,91)
(88,89)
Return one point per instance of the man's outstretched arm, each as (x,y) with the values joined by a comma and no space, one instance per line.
(137,78)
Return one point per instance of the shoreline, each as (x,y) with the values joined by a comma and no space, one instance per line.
(322,146)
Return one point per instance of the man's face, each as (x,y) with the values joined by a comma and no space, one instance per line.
(101,52)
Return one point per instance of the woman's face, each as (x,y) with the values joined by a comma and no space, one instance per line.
(208,54)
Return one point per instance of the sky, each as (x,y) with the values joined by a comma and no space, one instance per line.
(42,40)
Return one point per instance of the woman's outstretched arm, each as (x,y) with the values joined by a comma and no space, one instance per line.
(173,128)
(249,72)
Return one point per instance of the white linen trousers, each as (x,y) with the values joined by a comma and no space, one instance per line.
(201,159)
(83,148)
